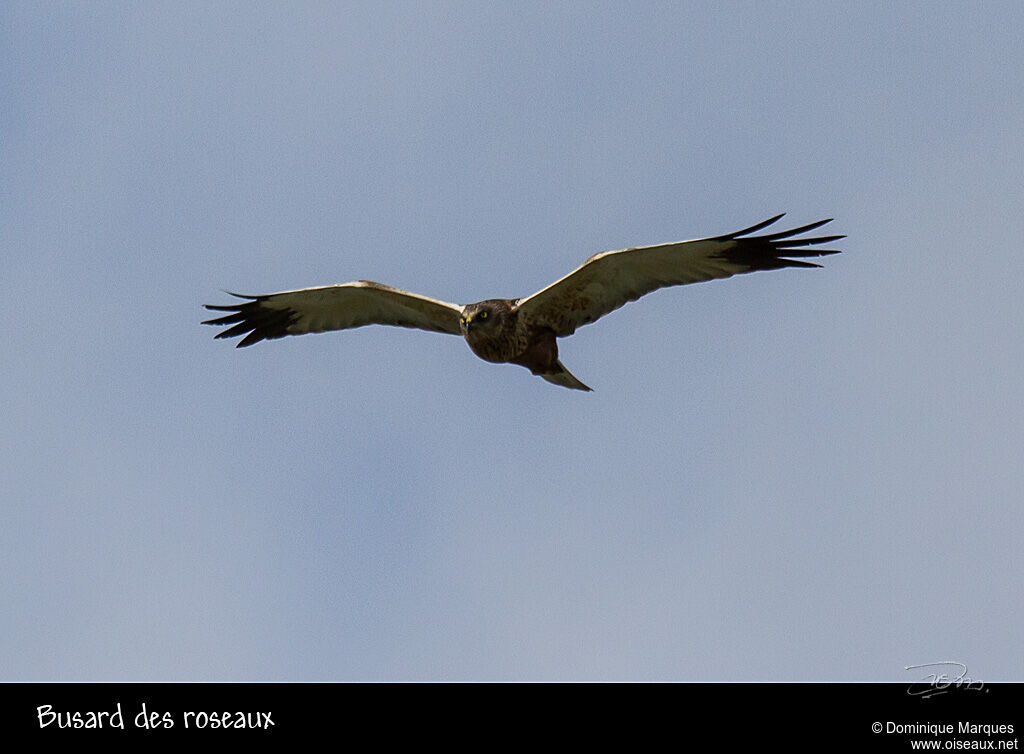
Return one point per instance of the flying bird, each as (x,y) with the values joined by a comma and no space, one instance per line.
(523,331)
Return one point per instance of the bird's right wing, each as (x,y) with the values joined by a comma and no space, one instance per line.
(333,307)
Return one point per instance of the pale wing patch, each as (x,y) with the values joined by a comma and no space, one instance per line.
(333,307)
(611,279)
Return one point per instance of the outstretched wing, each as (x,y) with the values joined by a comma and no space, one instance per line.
(608,280)
(333,307)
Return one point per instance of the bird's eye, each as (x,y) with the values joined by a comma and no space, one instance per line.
(483,315)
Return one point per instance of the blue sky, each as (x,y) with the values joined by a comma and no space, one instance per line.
(796,475)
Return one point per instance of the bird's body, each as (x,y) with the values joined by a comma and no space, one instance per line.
(524,331)
(496,333)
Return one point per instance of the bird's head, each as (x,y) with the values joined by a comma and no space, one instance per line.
(484,316)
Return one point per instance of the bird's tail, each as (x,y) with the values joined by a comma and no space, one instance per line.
(562,376)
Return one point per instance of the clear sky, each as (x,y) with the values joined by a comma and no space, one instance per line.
(793,475)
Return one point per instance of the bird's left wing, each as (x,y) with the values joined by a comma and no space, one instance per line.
(608,280)
(333,307)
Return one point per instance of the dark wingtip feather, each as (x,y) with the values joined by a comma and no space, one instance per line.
(254,337)
(228,320)
(752,228)
(796,263)
(796,231)
(251,319)
(771,251)
(795,243)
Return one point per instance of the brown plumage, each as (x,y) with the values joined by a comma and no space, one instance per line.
(524,331)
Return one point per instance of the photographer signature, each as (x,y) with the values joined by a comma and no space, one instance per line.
(938,682)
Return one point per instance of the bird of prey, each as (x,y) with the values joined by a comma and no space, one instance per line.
(524,330)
